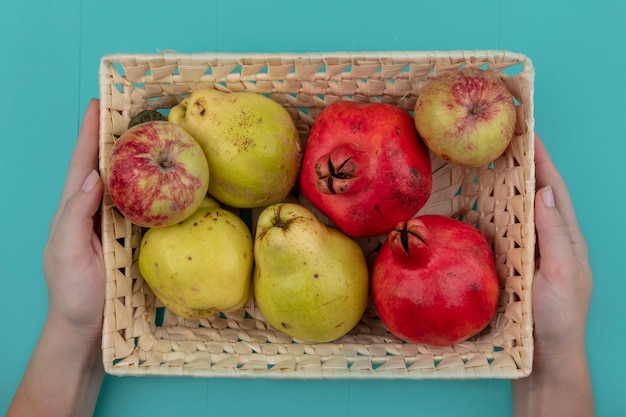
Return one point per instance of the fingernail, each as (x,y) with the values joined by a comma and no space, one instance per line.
(90,181)
(548,197)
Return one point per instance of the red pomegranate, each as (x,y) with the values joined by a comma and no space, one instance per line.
(365,167)
(434,281)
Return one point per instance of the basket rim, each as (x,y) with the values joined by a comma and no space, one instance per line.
(499,363)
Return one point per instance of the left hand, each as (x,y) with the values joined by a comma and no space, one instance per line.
(72,260)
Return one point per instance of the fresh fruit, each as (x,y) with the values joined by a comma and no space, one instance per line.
(158,174)
(466,117)
(250,141)
(365,167)
(311,281)
(434,281)
(200,266)
(146,116)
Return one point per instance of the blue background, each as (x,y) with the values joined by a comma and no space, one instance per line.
(49,58)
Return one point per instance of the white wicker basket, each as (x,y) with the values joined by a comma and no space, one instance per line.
(141,337)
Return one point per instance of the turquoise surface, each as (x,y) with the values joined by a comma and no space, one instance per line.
(49,58)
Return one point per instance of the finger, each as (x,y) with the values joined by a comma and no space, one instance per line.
(546,171)
(75,223)
(85,155)
(553,236)
(547,174)
(84,158)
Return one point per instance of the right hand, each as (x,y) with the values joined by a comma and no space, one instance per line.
(562,284)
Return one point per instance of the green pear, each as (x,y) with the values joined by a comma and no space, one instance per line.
(201,265)
(311,281)
(250,141)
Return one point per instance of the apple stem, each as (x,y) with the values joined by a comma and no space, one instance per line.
(164,162)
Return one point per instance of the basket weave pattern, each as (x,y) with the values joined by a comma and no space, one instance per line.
(141,337)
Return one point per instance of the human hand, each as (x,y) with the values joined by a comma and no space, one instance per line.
(562,284)
(560,382)
(72,259)
(64,373)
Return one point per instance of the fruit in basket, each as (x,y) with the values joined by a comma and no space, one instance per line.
(200,266)
(365,167)
(158,174)
(250,141)
(434,281)
(311,281)
(466,117)
(145,116)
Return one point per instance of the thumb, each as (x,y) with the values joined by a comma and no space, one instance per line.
(553,238)
(77,217)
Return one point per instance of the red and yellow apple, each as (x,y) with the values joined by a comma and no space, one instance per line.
(158,174)
(466,117)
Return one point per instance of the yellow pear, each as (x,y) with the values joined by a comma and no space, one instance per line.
(250,141)
(311,281)
(201,265)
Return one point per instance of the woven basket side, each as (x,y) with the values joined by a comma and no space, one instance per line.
(141,337)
